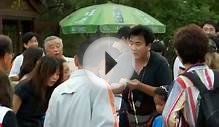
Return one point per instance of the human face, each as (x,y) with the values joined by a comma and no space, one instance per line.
(159,103)
(54,48)
(66,71)
(139,47)
(209,29)
(53,78)
(32,43)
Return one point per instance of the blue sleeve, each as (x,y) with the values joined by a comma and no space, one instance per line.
(158,121)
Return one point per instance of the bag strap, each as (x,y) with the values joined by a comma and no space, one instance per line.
(193,76)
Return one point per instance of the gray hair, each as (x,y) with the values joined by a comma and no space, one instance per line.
(50,38)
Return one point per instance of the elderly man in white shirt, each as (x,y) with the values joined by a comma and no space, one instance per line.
(53,46)
(84,100)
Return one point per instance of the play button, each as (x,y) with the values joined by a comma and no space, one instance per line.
(110,63)
(109,58)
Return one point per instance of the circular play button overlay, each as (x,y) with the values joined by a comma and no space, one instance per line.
(109,58)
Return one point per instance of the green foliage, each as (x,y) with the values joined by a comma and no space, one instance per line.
(177,13)
(172,13)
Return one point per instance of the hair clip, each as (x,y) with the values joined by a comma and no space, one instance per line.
(164,88)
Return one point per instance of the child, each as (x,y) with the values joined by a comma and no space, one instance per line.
(160,99)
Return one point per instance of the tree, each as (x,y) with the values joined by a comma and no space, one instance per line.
(172,13)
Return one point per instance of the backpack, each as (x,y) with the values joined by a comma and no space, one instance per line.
(208,114)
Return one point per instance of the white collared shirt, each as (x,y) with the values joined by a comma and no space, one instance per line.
(81,101)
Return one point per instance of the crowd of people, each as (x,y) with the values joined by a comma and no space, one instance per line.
(43,88)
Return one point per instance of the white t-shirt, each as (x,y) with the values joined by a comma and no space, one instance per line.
(16,65)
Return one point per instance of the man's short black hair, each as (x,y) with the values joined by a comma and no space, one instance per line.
(5,45)
(144,31)
(212,47)
(82,49)
(158,46)
(27,36)
(123,32)
(215,39)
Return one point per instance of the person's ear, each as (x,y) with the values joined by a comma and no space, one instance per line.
(25,46)
(149,46)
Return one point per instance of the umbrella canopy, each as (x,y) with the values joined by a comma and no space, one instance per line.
(107,18)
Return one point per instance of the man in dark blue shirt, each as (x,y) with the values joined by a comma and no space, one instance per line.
(152,70)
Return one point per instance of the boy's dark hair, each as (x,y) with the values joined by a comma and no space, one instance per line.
(191,44)
(27,36)
(158,46)
(123,32)
(5,45)
(144,31)
(161,92)
(82,49)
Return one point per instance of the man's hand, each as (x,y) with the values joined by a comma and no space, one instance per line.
(117,88)
(133,84)
(14,78)
(136,84)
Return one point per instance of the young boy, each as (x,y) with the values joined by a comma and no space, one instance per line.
(160,99)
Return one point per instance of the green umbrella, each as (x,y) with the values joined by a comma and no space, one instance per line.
(107,18)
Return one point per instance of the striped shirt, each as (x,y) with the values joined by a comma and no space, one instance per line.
(184,97)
